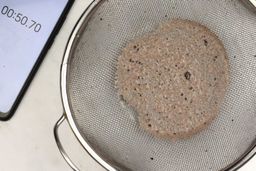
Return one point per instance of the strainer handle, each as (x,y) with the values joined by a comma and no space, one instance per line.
(61,149)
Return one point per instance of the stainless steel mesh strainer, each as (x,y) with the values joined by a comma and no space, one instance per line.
(109,130)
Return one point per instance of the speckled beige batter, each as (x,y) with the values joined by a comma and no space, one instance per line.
(175,78)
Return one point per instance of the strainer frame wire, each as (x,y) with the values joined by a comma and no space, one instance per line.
(70,48)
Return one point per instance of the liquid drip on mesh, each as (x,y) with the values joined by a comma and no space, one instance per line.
(175,78)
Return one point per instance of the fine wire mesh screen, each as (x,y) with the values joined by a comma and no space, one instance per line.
(111,127)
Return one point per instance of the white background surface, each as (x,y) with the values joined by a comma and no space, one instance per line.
(27,141)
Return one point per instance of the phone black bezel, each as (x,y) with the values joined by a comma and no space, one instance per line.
(48,44)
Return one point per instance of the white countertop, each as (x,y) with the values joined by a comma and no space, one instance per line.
(26,141)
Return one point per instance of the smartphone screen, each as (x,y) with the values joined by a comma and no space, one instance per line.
(25,29)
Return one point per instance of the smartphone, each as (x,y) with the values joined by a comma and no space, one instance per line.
(27,31)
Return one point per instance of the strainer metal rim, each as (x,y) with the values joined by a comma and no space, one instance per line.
(249,154)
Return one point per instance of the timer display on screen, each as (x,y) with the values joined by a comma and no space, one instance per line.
(25,27)
(21,18)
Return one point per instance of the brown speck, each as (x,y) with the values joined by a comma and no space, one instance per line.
(166,15)
(121,97)
(101,19)
(205,42)
(128,70)
(149,125)
(186,98)
(215,58)
(135,47)
(190,88)
(174,133)
(215,79)
(138,62)
(181,94)
(187,75)
(176,65)
(151,158)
